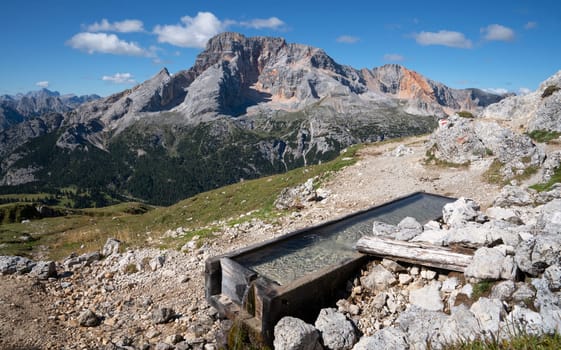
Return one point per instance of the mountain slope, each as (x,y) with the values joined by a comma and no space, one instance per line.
(248,107)
(539,110)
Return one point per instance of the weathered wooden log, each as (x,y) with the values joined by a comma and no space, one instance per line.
(414,252)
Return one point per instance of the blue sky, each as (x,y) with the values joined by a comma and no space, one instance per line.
(106,46)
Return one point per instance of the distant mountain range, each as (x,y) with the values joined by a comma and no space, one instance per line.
(18,108)
(248,107)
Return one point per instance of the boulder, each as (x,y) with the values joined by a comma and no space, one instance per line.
(390,338)
(44,270)
(461,326)
(297,197)
(513,196)
(549,220)
(489,313)
(436,237)
(383,229)
(548,304)
(460,211)
(553,276)
(408,228)
(523,293)
(294,334)
(89,319)
(524,320)
(503,290)
(15,264)
(471,235)
(337,332)
(378,279)
(491,264)
(504,214)
(111,246)
(427,297)
(88,258)
(534,255)
(423,327)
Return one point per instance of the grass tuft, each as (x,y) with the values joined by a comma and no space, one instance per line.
(546,186)
(544,135)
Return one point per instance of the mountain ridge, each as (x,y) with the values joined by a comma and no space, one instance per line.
(249,106)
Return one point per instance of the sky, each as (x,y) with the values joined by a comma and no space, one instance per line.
(106,46)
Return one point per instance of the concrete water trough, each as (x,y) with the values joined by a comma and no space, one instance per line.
(301,272)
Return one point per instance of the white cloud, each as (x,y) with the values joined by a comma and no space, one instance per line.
(119,78)
(347,39)
(262,23)
(104,43)
(42,84)
(530,25)
(443,37)
(497,32)
(126,26)
(192,32)
(497,91)
(393,57)
(524,91)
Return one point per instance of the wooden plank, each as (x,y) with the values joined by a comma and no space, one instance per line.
(235,280)
(414,252)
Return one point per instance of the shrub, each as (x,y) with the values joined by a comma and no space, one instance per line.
(550,90)
(544,135)
(465,114)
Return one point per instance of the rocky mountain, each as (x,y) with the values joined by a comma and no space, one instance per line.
(539,110)
(15,109)
(247,107)
(425,95)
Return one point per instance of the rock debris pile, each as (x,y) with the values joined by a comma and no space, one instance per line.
(511,286)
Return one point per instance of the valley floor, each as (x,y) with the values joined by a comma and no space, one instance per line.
(44,314)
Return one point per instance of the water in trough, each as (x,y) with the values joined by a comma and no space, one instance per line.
(327,245)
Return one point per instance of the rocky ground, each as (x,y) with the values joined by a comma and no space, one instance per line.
(154,299)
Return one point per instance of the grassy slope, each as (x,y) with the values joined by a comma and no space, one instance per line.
(88,229)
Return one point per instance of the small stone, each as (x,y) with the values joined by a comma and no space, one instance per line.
(378,279)
(392,265)
(404,278)
(164,346)
(428,274)
(152,333)
(379,300)
(449,284)
(89,319)
(427,297)
(163,315)
(157,262)
(111,246)
(414,271)
(354,309)
(467,290)
(357,290)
